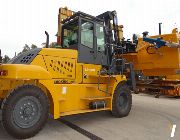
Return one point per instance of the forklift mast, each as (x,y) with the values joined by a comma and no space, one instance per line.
(64,13)
(111,33)
(111,24)
(114,38)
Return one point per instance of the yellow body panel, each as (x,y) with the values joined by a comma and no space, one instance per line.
(69,85)
(62,53)
(173,77)
(61,67)
(39,60)
(90,73)
(19,71)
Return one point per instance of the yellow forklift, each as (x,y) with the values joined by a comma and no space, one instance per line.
(84,75)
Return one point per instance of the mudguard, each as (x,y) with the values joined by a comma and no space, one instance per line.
(21,71)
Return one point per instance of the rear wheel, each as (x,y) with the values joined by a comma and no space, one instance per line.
(122,101)
(25,111)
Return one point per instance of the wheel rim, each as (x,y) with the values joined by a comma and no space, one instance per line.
(27,112)
(123,100)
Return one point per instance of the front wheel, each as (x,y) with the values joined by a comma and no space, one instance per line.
(25,111)
(122,101)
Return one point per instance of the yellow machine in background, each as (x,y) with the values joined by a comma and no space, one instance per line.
(158,59)
(82,76)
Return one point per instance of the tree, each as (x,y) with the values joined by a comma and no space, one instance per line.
(53,45)
(33,46)
(5,59)
(43,45)
(26,48)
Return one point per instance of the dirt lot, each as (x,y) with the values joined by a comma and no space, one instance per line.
(150,119)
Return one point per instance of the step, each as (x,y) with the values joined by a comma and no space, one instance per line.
(83,111)
(96,98)
(103,76)
(95,86)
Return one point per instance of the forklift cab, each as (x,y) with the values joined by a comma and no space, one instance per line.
(85,33)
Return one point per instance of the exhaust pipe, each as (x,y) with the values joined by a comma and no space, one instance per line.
(47,39)
(160,28)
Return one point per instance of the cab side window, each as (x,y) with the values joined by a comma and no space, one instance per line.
(87,34)
(70,35)
(100,37)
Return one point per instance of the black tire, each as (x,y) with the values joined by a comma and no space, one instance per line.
(32,108)
(122,101)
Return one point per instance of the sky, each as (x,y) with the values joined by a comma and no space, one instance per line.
(24,21)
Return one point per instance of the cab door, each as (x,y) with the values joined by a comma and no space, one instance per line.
(91,48)
(86,49)
(101,56)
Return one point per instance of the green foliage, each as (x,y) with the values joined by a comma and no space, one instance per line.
(27,48)
(5,59)
(53,45)
(43,45)
(33,46)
